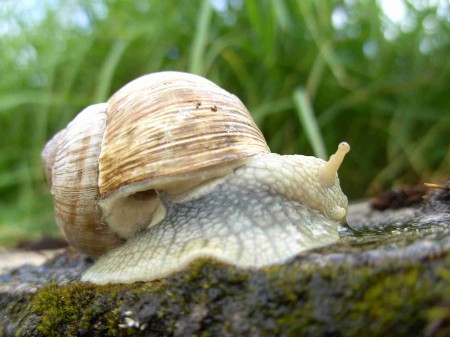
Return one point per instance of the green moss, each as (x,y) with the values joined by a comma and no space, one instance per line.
(74,308)
(387,300)
(211,299)
(386,295)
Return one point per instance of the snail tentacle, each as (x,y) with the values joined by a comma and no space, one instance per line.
(328,174)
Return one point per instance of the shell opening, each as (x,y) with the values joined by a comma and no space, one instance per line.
(329,171)
(130,213)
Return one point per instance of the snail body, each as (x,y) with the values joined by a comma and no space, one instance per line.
(173,168)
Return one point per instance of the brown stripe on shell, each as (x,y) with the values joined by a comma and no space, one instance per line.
(75,189)
(170,124)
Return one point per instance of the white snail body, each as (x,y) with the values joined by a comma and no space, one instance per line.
(173,168)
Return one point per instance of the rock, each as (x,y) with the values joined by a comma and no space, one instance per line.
(388,275)
(13,258)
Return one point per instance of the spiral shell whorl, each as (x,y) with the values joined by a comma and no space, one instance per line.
(71,160)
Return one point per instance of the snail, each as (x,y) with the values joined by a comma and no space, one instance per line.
(173,168)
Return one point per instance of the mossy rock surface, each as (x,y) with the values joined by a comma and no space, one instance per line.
(391,278)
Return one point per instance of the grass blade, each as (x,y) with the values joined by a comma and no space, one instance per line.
(309,122)
(108,69)
(201,35)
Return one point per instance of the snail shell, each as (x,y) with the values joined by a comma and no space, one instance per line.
(168,131)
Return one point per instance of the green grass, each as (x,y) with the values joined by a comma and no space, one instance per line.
(308,84)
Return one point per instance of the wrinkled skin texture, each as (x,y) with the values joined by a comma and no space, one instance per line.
(264,213)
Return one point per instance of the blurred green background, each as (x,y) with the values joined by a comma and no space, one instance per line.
(312,73)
